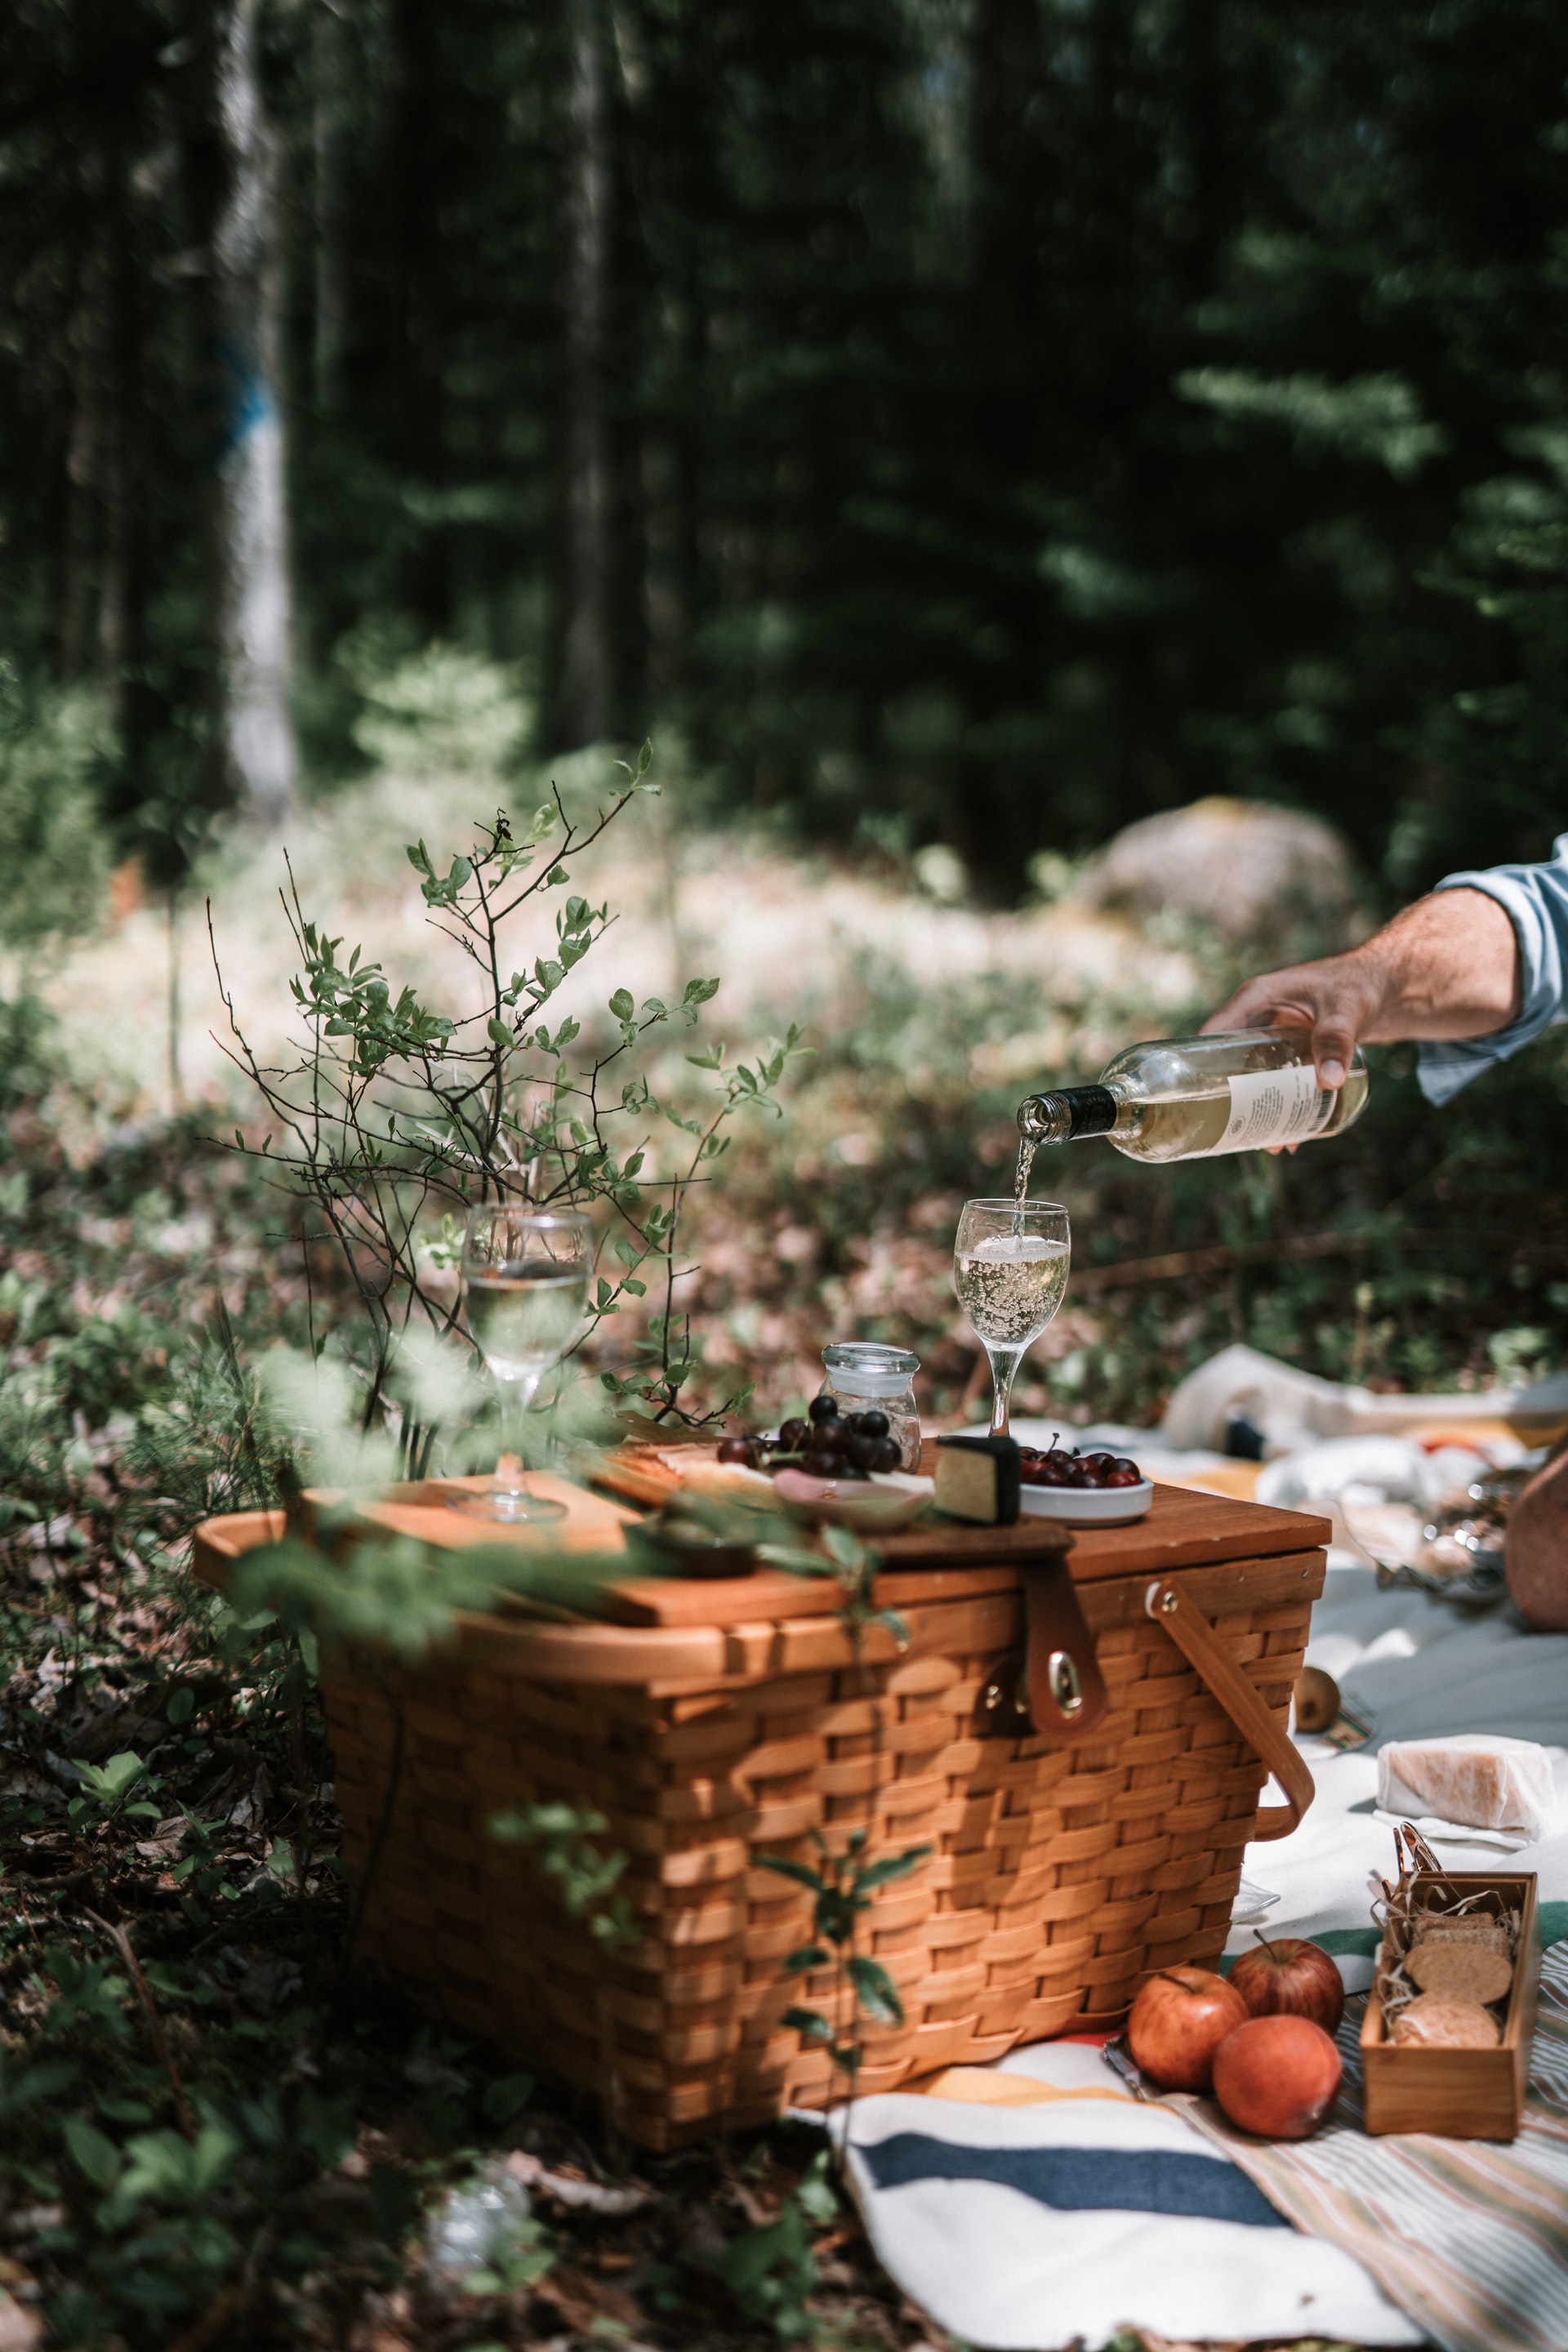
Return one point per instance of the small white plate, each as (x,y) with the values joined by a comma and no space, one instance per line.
(1087,1506)
(887,1500)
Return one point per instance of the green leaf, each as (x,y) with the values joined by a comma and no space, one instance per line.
(801,1872)
(24,2086)
(110,1782)
(809,2023)
(93,2150)
(182,1706)
(879,1993)
(815,2195)
(808,1957)
(894,1866)
(844,1546)
(623,1004)
(168,2170)
(700,991)
(498,1033)
(507,2096)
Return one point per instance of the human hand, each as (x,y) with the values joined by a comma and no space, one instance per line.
(1339,999)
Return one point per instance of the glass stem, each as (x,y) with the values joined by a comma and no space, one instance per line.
(1004,1362)
(516,1395)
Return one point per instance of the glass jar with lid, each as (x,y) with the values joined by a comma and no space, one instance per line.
(867,1377)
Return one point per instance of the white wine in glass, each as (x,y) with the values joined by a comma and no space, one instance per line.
(525,1291)
(1010,1270)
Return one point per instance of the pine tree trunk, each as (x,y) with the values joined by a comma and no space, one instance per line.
(328,76)
(250,516)
(422,170)
(585,703)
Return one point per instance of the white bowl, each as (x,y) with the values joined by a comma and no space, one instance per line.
(1087,1506)
(887,1500)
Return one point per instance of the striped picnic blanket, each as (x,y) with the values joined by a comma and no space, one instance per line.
(1038,2204)
(1469,2237)
(1027,2211)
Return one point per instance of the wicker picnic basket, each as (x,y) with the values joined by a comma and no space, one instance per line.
(720,1722)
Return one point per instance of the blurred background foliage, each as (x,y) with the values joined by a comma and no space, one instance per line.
(975,423)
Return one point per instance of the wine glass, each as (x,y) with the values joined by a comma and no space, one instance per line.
(1010,1270)
(525,1275)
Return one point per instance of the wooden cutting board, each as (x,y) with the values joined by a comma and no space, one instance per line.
(1182,1529)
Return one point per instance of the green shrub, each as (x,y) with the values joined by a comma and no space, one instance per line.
(54,852)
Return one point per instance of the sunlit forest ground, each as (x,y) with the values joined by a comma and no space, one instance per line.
(253,2166)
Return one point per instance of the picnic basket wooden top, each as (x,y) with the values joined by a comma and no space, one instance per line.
(698,1626)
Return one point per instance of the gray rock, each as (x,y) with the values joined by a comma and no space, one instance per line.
(1248,870)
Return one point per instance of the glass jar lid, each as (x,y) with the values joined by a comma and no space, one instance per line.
(865,1367)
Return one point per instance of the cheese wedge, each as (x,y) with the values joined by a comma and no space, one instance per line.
(1482,1780)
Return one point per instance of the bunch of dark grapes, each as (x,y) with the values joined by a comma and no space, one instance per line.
(831,1445)
(1057,1467)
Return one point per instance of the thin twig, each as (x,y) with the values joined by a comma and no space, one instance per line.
(1224,1257)
(121,1942)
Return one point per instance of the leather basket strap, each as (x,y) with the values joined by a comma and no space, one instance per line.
(1202,1648)
(1051,1688)
(1067,1693)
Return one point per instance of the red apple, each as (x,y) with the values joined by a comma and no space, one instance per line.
(1178,2022)
(1277,2076)
(1290,1977)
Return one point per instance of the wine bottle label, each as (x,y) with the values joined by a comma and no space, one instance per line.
(1271,1106)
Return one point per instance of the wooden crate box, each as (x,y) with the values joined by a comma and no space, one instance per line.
(1459,2094)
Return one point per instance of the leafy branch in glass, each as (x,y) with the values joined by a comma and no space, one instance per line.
(525,1292)
(397,1117)
(1010,1263)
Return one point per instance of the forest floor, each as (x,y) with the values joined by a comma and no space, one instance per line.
(211,2130)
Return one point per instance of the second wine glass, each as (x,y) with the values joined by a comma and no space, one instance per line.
(1010,1267)
(525,1291)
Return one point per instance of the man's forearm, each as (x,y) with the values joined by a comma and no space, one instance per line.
(1448,967)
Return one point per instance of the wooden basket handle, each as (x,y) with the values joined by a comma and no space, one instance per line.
(1195,1638)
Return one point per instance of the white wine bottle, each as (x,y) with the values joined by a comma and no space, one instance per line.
(1194,1097)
